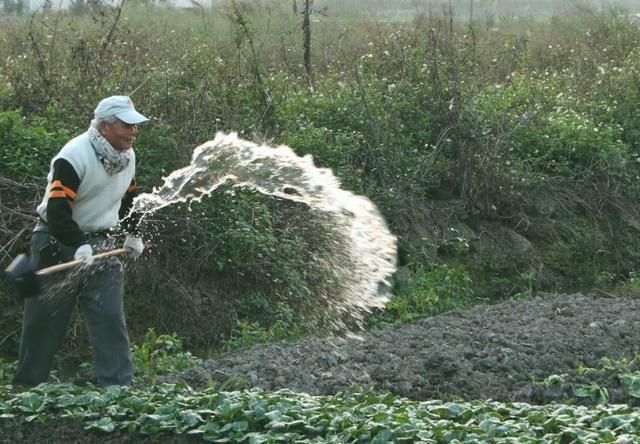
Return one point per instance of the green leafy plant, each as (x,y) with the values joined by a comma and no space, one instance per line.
(631,382)
(597,394)
(7,370)
(258,416)
(159,355)
(594,383)
(431,292)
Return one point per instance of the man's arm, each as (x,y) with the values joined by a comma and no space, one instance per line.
(129,221)
(64,188)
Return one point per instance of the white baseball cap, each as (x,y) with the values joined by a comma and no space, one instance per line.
(121,107)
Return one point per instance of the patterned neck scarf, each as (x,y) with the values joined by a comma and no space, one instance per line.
(112,159)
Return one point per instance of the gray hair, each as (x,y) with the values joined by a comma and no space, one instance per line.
(98,120)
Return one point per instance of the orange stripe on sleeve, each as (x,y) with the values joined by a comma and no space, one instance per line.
(57,185)
(57,194)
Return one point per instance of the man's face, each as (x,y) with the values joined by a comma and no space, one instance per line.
(119,134)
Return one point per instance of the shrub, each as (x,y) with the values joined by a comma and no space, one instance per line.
(431,292)
(158,355)
(248,257)
(28,146)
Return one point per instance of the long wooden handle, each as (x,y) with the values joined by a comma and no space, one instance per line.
(73,263)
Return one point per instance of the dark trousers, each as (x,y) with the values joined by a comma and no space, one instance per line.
(99,291)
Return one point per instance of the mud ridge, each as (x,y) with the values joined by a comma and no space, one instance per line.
(500,352)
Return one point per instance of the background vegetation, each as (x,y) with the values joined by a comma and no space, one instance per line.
(503,152)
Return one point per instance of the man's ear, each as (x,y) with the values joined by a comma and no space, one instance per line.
(101,127)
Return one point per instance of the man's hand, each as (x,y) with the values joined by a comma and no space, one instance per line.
(135,246)
(84,253)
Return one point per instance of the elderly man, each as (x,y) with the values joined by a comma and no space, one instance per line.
(91,185)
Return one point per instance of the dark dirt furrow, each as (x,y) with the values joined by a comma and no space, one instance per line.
(487,352)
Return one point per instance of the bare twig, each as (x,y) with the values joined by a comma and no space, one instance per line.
(40,59)
(306,32)
(109,37)
(16,212)
(5,248)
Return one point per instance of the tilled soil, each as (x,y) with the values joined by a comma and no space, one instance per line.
(501,352)
(498,352)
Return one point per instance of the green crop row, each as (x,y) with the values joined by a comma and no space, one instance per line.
(283,416)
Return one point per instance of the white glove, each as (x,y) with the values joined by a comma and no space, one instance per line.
(84,253)
(135,246)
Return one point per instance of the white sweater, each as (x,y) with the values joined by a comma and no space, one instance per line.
(96,205)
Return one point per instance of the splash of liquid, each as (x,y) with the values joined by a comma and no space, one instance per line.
(279,172)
